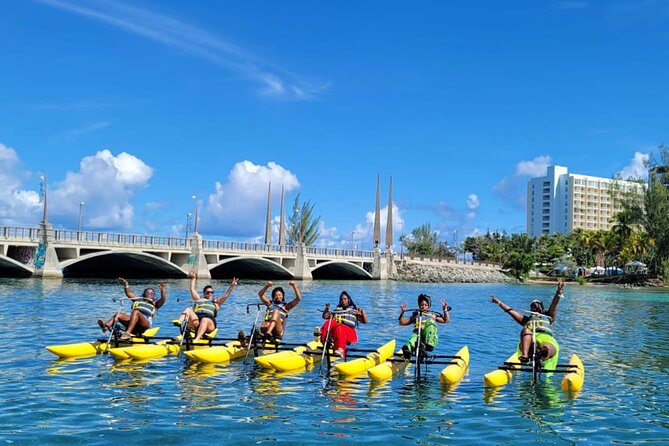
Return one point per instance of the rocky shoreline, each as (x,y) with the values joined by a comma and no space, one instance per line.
(409,271)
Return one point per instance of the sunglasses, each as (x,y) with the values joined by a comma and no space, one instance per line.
(150,293)
(209,292)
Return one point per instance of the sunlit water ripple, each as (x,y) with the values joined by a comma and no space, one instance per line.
(622,337)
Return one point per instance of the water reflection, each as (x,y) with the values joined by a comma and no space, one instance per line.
(622,337)
(199,386)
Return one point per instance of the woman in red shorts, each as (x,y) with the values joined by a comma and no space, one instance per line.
(341,323)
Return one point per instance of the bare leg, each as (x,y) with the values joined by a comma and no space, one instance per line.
(275,327)
(136,317)
(205,326)
(525,344)
(122,318)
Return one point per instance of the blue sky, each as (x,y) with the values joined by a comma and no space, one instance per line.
(135,107)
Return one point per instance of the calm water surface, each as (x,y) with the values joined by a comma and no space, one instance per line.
(622,337)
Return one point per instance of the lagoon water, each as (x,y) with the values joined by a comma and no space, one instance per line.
(621,335)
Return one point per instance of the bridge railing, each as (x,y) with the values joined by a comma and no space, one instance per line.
(18,233)
(339,252)
(116,239)
(111,239)
(221,245)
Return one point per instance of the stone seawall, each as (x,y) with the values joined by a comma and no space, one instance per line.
(411,271)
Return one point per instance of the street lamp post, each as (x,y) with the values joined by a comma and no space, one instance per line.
(455,244)
(352,247)
(196,211)
(45,193)
(81,205)
(188,215)
(299,224)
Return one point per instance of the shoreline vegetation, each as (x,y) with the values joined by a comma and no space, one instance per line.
(631,249)
(429,272)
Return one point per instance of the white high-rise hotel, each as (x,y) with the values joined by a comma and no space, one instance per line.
(562,201)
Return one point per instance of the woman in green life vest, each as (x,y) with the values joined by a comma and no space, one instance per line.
(547,347)
(424,321)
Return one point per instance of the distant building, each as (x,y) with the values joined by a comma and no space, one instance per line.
(563,201)
(661,173)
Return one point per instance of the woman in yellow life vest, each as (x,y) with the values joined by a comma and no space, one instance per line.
(143,309)
(277,309)
(547,347)
(341,323)
(428,327)
(201,316)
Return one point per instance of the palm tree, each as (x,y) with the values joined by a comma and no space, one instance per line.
(303,225)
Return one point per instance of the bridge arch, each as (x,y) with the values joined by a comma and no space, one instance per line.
(249,268)
(13,268)
(130,264)
(339,269)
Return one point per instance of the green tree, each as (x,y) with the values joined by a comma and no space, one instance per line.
(652,213)
(303,226)
(519,264)
(422,241)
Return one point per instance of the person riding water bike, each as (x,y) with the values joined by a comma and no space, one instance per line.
(428,327)
(143,309)
(341,323)
(548,348)
(201,316)
(277,309)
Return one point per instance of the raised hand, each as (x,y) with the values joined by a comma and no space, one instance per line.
(234,281)
(403,307)
(494,300)
(161,285)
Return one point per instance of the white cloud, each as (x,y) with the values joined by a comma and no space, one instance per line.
(473,201)
(75,133)
(636,168)
(106,183)
(7,154)
(534,168)
(512,189)
(175,33)
(239,206)
(364,233)
(18,207)
(328,236)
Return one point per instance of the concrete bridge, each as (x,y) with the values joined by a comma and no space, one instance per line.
(46,252)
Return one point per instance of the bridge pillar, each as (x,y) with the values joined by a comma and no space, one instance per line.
(46,260)
(383,267)
(379,265)
(301,271)
(391,267)
(197,260)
